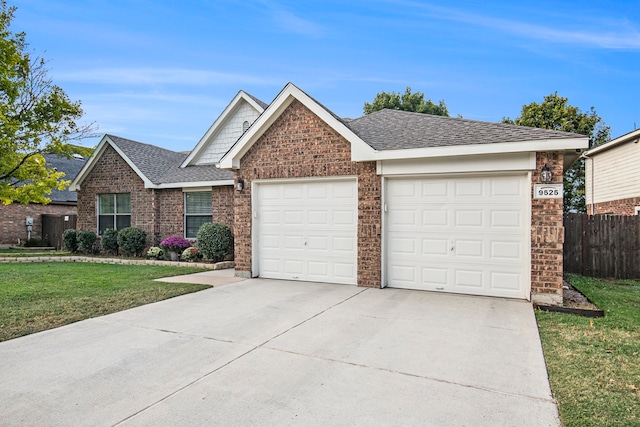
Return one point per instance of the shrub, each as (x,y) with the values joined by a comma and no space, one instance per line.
(191,254)
(155,252)
(69,240)
(132,241)
(109,241)
(34,242)
(175,244)
(86,239)
(215,240)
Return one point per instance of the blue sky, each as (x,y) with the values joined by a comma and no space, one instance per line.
(161,71)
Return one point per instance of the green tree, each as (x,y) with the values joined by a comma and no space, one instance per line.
(555,113)
(406,101)
(36,118)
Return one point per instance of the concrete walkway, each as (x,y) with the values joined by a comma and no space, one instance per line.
(266,352)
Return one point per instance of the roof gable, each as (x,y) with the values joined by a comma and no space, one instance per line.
(231,160)
(157,167)
(226,130)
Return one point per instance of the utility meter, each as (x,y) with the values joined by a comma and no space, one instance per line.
(29,221)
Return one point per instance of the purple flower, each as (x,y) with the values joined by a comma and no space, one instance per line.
(175,244)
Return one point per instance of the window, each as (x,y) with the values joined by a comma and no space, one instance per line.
(197,211)
(114,211)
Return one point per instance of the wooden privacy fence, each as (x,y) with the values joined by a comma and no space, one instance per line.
(602,245)
(54,225)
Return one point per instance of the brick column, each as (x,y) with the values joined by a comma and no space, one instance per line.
(547,236)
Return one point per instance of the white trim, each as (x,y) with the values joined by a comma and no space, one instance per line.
(196,189)
(231,160)
(359,155)
(636,210)
(190,184)
(219,122)
(633,136)
(520,161)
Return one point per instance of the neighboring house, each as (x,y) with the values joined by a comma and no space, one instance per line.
(393,198)
(128,183)
(612,176)
(13,217)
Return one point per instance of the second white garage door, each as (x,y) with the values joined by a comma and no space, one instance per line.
(307,230)
(464,234)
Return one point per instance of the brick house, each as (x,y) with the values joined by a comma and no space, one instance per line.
(393,198)
(612,176)
(63,203)
(399,199)
(128,183)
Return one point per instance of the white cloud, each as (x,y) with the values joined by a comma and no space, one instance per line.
(608,34)
(182,76)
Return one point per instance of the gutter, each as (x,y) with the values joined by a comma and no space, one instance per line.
(586,157)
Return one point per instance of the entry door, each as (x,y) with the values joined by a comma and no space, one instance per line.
(464,234)
(307,230)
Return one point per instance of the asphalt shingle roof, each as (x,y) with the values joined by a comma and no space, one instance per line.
(162,166)
(71,167)
(400,130)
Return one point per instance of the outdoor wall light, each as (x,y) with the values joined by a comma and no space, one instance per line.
(546,175)
(240,185)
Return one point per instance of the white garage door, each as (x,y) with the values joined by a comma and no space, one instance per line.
(459,234)
(307,230)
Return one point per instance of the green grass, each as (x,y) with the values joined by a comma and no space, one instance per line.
(39,296)
(594,364)
(13,253)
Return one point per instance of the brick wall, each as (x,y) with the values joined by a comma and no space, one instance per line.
(159,212)
(616,207)
(111,174)
(547,236)
(299,144)
(12,220)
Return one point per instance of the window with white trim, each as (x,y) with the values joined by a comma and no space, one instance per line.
(114,211)
(197,211)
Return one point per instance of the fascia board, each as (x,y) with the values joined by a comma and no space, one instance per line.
(631,136)
(231,160)
(466,150)
(218,123)
(219,183)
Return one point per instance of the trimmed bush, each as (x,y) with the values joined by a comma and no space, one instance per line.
(155,252)
(69,240)
(215,241)
(109,241)
(132,241)
(191,254)
(86,240)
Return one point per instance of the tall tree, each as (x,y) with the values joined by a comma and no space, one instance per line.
(36,118)
(555,113)
(406,101)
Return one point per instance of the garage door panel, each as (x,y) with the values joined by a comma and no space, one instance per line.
(307,231)
(472,236)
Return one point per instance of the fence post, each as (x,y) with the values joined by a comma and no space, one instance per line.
(586,249)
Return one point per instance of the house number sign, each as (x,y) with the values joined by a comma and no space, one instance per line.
(547,191)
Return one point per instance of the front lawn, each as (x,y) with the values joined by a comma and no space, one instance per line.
(39,296)
(594,364)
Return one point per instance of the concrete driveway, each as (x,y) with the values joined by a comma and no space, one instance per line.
(267,352)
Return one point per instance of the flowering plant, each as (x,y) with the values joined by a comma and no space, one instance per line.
(175,244)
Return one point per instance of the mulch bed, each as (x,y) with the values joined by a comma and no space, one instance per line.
(574,302)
